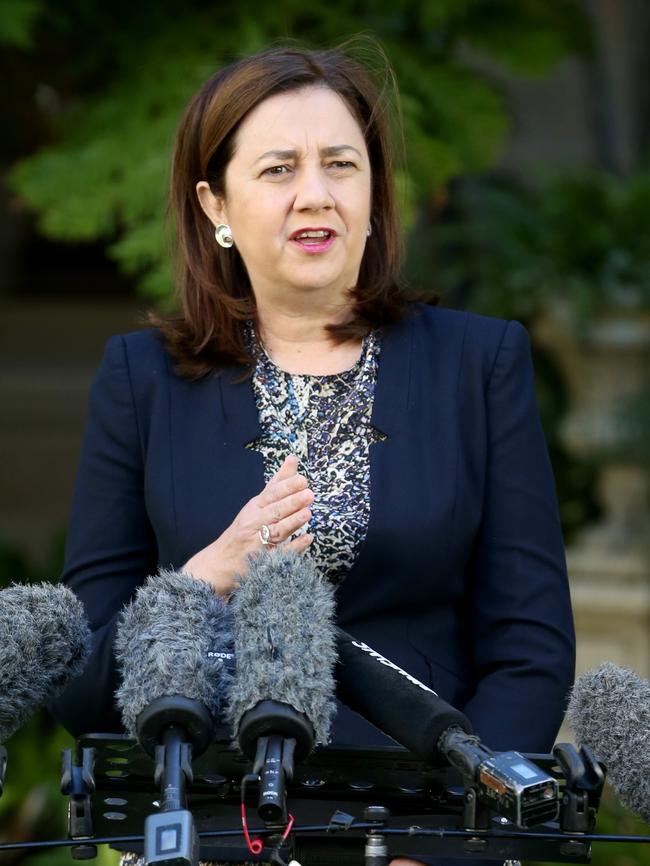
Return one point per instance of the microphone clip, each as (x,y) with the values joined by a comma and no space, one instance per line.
(78,783)
(584,781)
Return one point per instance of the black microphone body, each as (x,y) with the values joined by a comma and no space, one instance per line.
(44,643)
(173,645)
(393,700)
(416,717)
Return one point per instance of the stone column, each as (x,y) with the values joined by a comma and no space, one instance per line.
(609,565)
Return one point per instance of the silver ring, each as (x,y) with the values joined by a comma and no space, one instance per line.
(265,535)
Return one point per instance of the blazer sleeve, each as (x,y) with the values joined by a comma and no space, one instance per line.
(522,636)
(110,547)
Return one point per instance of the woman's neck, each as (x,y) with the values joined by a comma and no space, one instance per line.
(299,343)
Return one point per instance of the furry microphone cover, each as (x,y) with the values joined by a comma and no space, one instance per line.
(285,644)
(609,711)
(44,643)
(165,645)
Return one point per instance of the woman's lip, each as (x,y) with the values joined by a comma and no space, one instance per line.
(313,245)
(294,235)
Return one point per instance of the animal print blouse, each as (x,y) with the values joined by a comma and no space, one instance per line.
(325,422)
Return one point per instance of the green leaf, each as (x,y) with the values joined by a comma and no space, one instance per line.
(17,19)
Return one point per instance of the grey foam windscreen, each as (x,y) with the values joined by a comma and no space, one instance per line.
(44,643)
(285,642)
(171,640)
(609,711)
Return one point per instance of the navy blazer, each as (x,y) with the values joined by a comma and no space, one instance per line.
(461,579)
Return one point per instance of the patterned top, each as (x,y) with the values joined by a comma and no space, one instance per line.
(325,422)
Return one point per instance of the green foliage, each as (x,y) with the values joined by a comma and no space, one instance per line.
(504,32)
(17,19)
(584,238)
(105,176)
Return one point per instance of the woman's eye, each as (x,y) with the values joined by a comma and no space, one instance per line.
(276,170)
(341,163)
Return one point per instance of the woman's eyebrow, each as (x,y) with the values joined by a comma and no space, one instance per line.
(278,154)
(332,150)
(338,149)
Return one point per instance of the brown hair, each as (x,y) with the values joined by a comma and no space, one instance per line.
(214,287)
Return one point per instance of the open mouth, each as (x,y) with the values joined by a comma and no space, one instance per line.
(313,236)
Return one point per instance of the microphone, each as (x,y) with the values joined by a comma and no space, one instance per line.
(173,646)
(609,711)
(44,643)
(282,698)
(416,717)
(394,701)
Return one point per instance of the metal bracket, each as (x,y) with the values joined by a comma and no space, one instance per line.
(78,783)
(584,785)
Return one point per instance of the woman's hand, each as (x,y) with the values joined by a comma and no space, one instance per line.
(283,506)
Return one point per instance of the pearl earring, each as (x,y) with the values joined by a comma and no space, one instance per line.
(369,230)
(223,235)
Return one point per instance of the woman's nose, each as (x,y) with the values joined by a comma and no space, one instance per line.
(312,192)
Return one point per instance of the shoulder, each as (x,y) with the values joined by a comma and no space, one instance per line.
(137,347)
(468,336)
(134,371)
(138,357)
(444,323)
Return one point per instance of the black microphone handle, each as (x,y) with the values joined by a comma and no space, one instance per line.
(393,700)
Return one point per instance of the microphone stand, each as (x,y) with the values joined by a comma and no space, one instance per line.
(170,729)
(274,735)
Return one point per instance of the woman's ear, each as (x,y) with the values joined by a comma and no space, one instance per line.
(214,206)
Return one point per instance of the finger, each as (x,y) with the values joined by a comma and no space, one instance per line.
(277,490)
(281,530)
(282,508)
(289,467)
(300,544)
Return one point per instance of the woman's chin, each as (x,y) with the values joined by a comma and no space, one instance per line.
(331,282)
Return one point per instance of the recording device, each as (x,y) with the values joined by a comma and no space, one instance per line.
(416,717)
(44,643)
(282,698)
(173,647)
(506,782)
(609,711)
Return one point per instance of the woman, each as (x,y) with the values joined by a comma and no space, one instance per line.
(300,400)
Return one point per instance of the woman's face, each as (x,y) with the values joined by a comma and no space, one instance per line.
(297,194)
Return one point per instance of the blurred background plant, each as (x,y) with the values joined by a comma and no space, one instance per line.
(95,93)
(582,237)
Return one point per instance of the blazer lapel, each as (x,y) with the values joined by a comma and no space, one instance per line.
(392,391)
